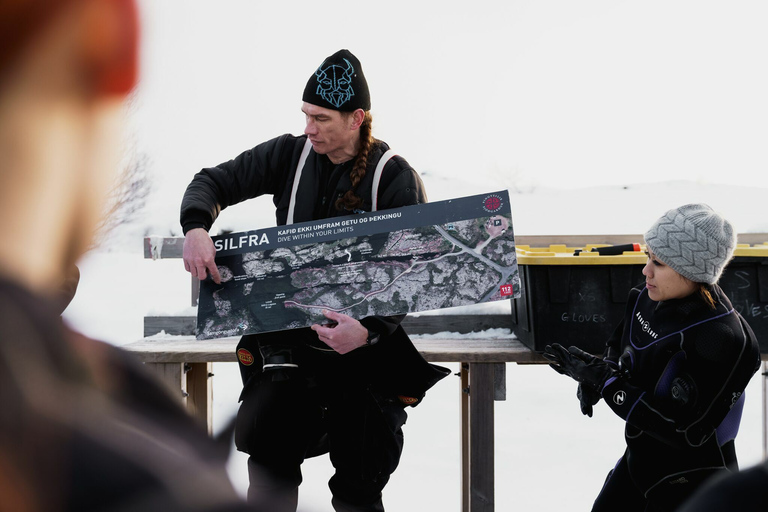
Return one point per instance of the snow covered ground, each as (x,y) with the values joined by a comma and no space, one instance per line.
(548,456)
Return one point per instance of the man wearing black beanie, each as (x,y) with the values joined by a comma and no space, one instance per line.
(342,387)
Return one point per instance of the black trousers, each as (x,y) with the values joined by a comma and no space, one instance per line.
(282,422)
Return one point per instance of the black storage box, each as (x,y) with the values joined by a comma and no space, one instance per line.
(579,300)
(745,282)
(572,300)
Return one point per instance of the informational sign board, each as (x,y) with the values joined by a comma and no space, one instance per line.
(390,262)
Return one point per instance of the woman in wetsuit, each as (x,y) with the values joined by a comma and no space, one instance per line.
(675,369)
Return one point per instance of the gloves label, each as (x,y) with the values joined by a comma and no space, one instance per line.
(619,397)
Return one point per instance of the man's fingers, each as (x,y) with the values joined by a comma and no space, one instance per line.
(200,272)
(214,271)
(322,332)
(199,255)
(334,316)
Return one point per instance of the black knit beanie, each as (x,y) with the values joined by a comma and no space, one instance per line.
(339,84)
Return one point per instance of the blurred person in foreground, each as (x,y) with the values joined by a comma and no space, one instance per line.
(342,387)
(674,370)
(744,491)
(82,427)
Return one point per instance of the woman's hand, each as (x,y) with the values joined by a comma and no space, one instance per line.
(579,365)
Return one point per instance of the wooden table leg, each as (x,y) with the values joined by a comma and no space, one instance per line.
(172,376)
(481,437)
(200,393)
(464,373)
(192,383)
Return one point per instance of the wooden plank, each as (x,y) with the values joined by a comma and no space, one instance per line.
(171,325)
(481,438)
(462,324)
(162,247)
(576,240)
(188,349)
(172,247)
(752,238)
(426,324)
(612,239)
(184,349)
(480,350)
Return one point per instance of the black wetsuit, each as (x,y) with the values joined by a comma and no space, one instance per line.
(683,370)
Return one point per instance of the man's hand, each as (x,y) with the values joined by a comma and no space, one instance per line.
(199,254)
(345,335)
(579,365)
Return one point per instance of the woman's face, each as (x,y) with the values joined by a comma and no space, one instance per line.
(663,283)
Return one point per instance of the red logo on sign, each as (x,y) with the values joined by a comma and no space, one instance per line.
(492,203)
(245,357)
(506,290)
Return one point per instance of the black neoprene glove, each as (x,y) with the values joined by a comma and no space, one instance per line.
(579,365)
(588,397)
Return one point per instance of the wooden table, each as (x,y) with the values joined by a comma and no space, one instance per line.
(184,364)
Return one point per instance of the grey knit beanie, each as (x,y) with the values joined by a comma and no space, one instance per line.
(694,240)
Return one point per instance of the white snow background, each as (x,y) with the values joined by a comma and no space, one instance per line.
(597,116)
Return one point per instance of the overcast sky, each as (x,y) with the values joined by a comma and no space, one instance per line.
(505,93)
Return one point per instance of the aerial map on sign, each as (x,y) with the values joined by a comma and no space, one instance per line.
(390,265)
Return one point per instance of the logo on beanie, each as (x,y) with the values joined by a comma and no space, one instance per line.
(334,83)
(245,357)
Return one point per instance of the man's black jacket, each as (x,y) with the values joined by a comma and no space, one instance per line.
(270,168)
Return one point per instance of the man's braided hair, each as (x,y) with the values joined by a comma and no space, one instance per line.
(350,200)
